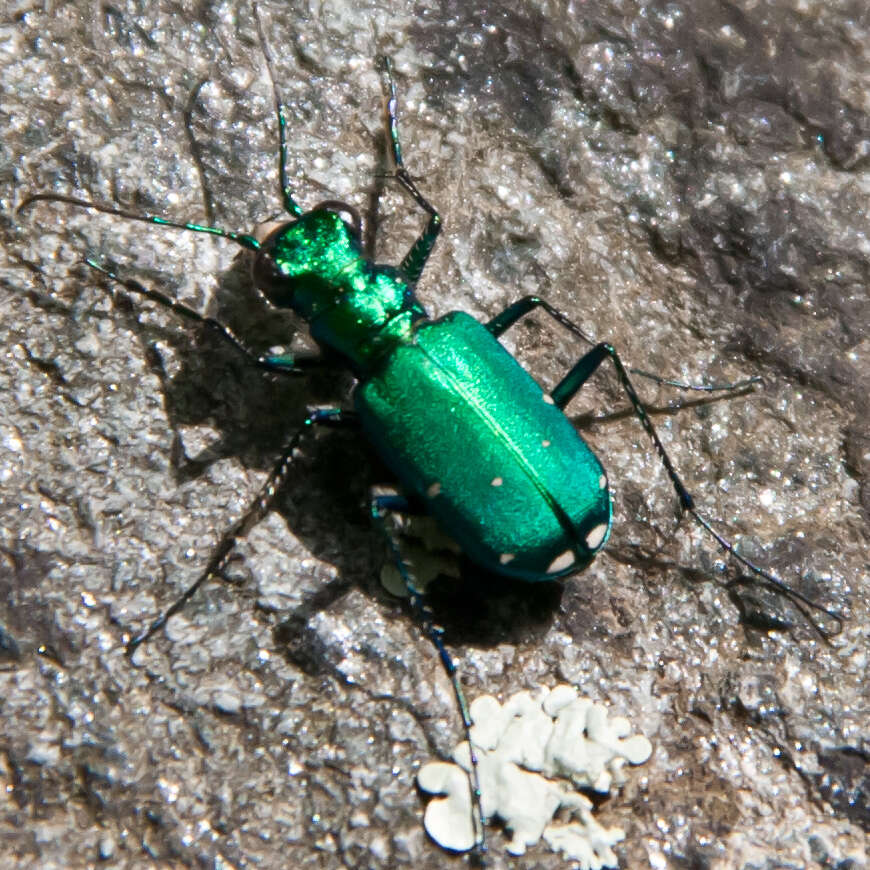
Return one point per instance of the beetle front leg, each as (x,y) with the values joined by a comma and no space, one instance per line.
(415,260)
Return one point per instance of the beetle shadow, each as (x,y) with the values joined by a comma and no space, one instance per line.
(220,406)
(251,416)
(482,610)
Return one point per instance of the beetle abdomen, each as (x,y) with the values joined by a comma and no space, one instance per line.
(468,430)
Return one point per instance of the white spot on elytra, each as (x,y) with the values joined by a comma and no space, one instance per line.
(596,536)
(496,481)
(504,558)
(561,562)
(433,490)
(602,481)
(545,443)
(548,399)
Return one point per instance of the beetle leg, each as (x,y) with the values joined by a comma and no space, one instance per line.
(504,320)
(736,387)
(583,369)
(415,260)
(288,364)
(507,318)
(423,613)
(256,511)
(575,379)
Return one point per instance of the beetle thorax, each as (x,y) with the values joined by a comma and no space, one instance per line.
(315,265)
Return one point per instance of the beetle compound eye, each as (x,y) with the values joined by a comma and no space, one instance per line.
(347,213)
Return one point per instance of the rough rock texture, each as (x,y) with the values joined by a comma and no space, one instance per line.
(688,180)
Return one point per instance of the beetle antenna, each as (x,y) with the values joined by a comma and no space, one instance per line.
(246,241)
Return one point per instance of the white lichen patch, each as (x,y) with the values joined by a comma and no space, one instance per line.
(533,753)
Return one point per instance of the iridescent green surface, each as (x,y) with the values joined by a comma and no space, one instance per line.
(352,305)
(454,415)
(465,426)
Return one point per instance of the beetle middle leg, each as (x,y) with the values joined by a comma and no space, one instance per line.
(504,320)
(256,511)
(582,370)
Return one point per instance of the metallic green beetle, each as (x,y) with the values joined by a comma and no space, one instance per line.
(464,427)
(469,433)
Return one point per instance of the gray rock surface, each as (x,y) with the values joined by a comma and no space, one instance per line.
(687,180)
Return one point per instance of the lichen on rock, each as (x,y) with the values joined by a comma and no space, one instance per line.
(534,752)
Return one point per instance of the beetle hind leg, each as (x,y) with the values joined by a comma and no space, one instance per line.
(380,505)
(583,370)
